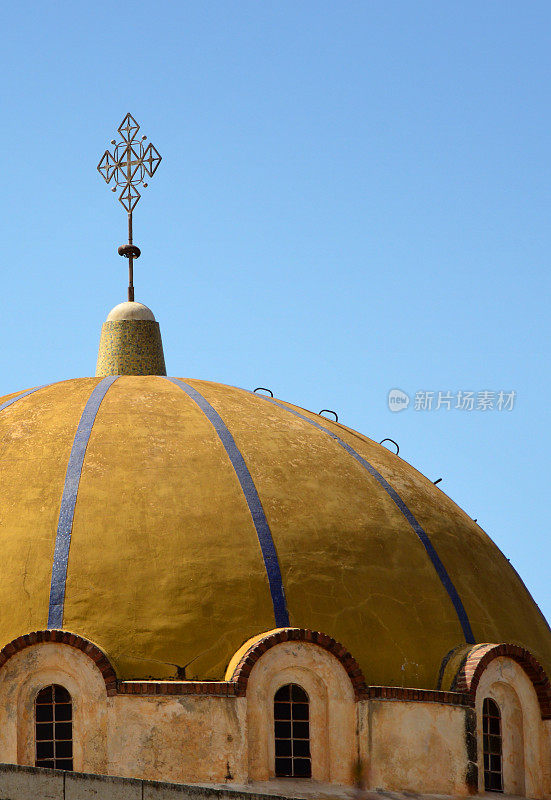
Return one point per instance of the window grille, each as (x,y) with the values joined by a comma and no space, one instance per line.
(492,746)
(292,732)
(53,713)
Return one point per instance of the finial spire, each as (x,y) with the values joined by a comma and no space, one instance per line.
(128,165)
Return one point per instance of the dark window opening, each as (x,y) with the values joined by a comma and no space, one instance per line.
(53,714)
(292,732)
(492,746)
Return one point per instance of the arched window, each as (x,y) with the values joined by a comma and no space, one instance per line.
(492,746)
(53,714)
(292,732)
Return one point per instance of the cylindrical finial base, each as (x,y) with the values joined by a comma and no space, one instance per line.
(130,343)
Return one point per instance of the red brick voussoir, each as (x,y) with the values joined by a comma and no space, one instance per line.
(243,669)
(72,640)
(479,657)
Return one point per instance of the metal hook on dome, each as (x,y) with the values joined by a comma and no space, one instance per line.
(393,442)
(437,481)
(263,389)
(328,411)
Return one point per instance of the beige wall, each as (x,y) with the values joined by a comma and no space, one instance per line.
(525,744)
(169,738)
(403,746)
(189,738)
(546,760)
(332,710)
(412,746)
(21,679)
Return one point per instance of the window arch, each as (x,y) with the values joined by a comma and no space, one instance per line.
(53,715)
(292,732)
(492,746)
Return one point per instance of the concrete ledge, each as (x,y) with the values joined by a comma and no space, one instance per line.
(30,783)
(36,783)
(81,786)
(156,790)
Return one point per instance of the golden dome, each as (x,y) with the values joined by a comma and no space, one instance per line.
(169,521)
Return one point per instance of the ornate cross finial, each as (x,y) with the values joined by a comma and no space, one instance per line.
(128,165)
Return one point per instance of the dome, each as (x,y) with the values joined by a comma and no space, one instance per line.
(130,310)
(168,521)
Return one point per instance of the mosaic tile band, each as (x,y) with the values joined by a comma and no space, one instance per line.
(130,347)
(260,522)
(69,500)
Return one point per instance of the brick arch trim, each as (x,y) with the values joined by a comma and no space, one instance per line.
(72,640)
(242,671)
(477,659)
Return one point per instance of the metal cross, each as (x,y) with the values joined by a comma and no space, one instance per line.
(128,165)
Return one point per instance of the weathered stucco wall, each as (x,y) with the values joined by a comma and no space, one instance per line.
(403,745)
(193,739)
(546,748)
(175,738)
(413,746)
(21,679)
(332,710)
(525,745)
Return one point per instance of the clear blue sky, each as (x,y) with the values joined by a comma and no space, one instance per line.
(354,196)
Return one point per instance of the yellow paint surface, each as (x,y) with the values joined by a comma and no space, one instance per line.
(163,547)
(499,607)
(36,436)
(497,602)
(165,567)
(342,544)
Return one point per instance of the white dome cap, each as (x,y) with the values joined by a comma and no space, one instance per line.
(130,310)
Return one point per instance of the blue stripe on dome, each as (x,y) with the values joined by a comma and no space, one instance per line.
(393,494)
(68,502)
(253,501)
(20,396)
